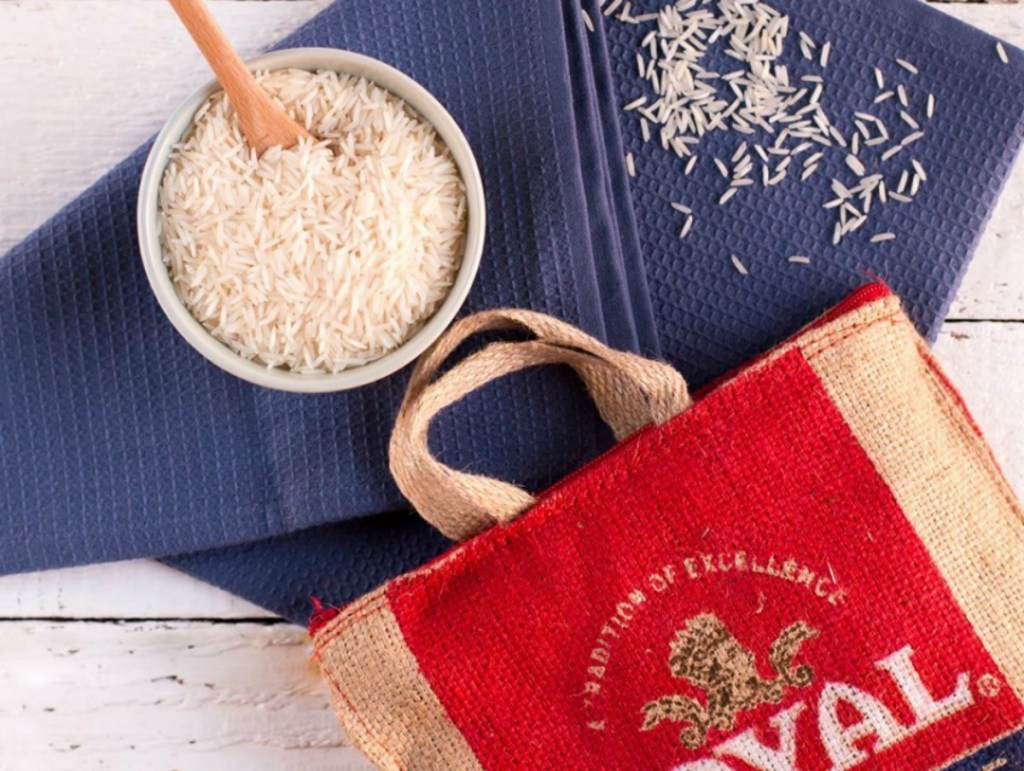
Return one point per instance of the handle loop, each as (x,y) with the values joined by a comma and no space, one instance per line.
(629,391)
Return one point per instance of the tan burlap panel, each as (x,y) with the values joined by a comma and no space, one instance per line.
(380,696)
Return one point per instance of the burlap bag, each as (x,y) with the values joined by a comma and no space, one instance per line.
(816,565)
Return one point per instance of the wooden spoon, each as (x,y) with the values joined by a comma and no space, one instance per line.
(263,122)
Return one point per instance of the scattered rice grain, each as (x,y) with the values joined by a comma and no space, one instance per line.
(907,66)
(892,151)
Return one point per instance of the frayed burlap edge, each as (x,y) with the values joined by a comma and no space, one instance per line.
(386,707)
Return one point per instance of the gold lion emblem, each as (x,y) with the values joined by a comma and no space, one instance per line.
(707,655)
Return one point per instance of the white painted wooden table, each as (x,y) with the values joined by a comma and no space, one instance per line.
(135,666)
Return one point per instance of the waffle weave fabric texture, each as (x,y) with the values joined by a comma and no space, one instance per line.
(339,562)
(118,441)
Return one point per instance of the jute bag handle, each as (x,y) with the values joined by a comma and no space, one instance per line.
(629,391)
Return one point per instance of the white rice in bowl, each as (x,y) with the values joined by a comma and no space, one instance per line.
(325,256)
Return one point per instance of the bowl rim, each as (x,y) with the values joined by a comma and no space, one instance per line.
(219,354)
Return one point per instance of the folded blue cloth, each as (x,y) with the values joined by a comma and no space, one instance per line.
(340,562)
(709,317)
(117,441)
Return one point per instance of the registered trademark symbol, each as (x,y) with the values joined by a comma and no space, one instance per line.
(989,686)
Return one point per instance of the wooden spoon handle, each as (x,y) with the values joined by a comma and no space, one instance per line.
(263,122)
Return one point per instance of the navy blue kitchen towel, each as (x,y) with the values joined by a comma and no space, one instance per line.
(117,440)
(709,316)
(334,563)
(339,562)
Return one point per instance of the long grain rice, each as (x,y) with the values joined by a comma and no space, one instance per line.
(324,256)
(907,66)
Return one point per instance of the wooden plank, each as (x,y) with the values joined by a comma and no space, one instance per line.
(994,285)
(986,362)
(135,589)
(188,696)
(77,98)
(87,81)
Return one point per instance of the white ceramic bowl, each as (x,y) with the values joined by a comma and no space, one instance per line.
(199,338)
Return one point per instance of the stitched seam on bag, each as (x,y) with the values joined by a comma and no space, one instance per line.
(960,421)
(374,605)
(822,346)
(953,414)
(350,622)
(370,601)
(346,621)
(385,750)
(343,621)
